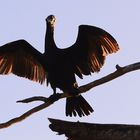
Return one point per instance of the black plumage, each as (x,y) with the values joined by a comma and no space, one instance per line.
(59,66)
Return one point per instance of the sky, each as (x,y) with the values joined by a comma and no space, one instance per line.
(117,101)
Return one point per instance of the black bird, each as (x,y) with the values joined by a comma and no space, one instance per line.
(59,66)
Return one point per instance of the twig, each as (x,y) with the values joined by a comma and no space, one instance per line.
(50,100)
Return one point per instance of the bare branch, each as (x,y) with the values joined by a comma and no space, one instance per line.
(48,102)
(88,131)
(53,98)
(119,72)
(23,116)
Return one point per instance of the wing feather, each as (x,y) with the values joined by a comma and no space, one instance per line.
(92,46)
(21,59)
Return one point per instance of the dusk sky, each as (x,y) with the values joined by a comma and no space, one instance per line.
(117,101)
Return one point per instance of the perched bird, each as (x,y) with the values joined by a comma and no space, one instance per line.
(59,66)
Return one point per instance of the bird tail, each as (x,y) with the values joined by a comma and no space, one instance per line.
(77,106)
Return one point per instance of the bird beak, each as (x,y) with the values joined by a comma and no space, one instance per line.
(51,21)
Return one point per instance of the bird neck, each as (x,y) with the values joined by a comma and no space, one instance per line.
(49,38)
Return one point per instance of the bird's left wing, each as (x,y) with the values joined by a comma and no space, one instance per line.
(88,53)
(21,59)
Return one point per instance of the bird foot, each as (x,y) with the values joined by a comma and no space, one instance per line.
(55,97)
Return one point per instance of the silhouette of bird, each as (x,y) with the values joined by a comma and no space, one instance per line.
(59,66)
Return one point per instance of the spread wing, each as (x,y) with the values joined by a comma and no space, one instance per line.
(90,49)
(21,59)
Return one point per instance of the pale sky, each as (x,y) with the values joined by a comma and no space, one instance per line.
(115,102)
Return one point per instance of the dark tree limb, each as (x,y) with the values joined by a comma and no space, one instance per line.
(50,100)
(88,131)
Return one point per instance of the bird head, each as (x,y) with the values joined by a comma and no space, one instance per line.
(51,20)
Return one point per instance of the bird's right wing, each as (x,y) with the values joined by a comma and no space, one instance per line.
(21,59)
(89,51)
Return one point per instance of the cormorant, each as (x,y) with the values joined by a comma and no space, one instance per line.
(59,66)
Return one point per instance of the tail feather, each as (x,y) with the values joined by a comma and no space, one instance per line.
(77,106)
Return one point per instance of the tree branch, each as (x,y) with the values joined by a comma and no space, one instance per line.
(88,131)
(53,98)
